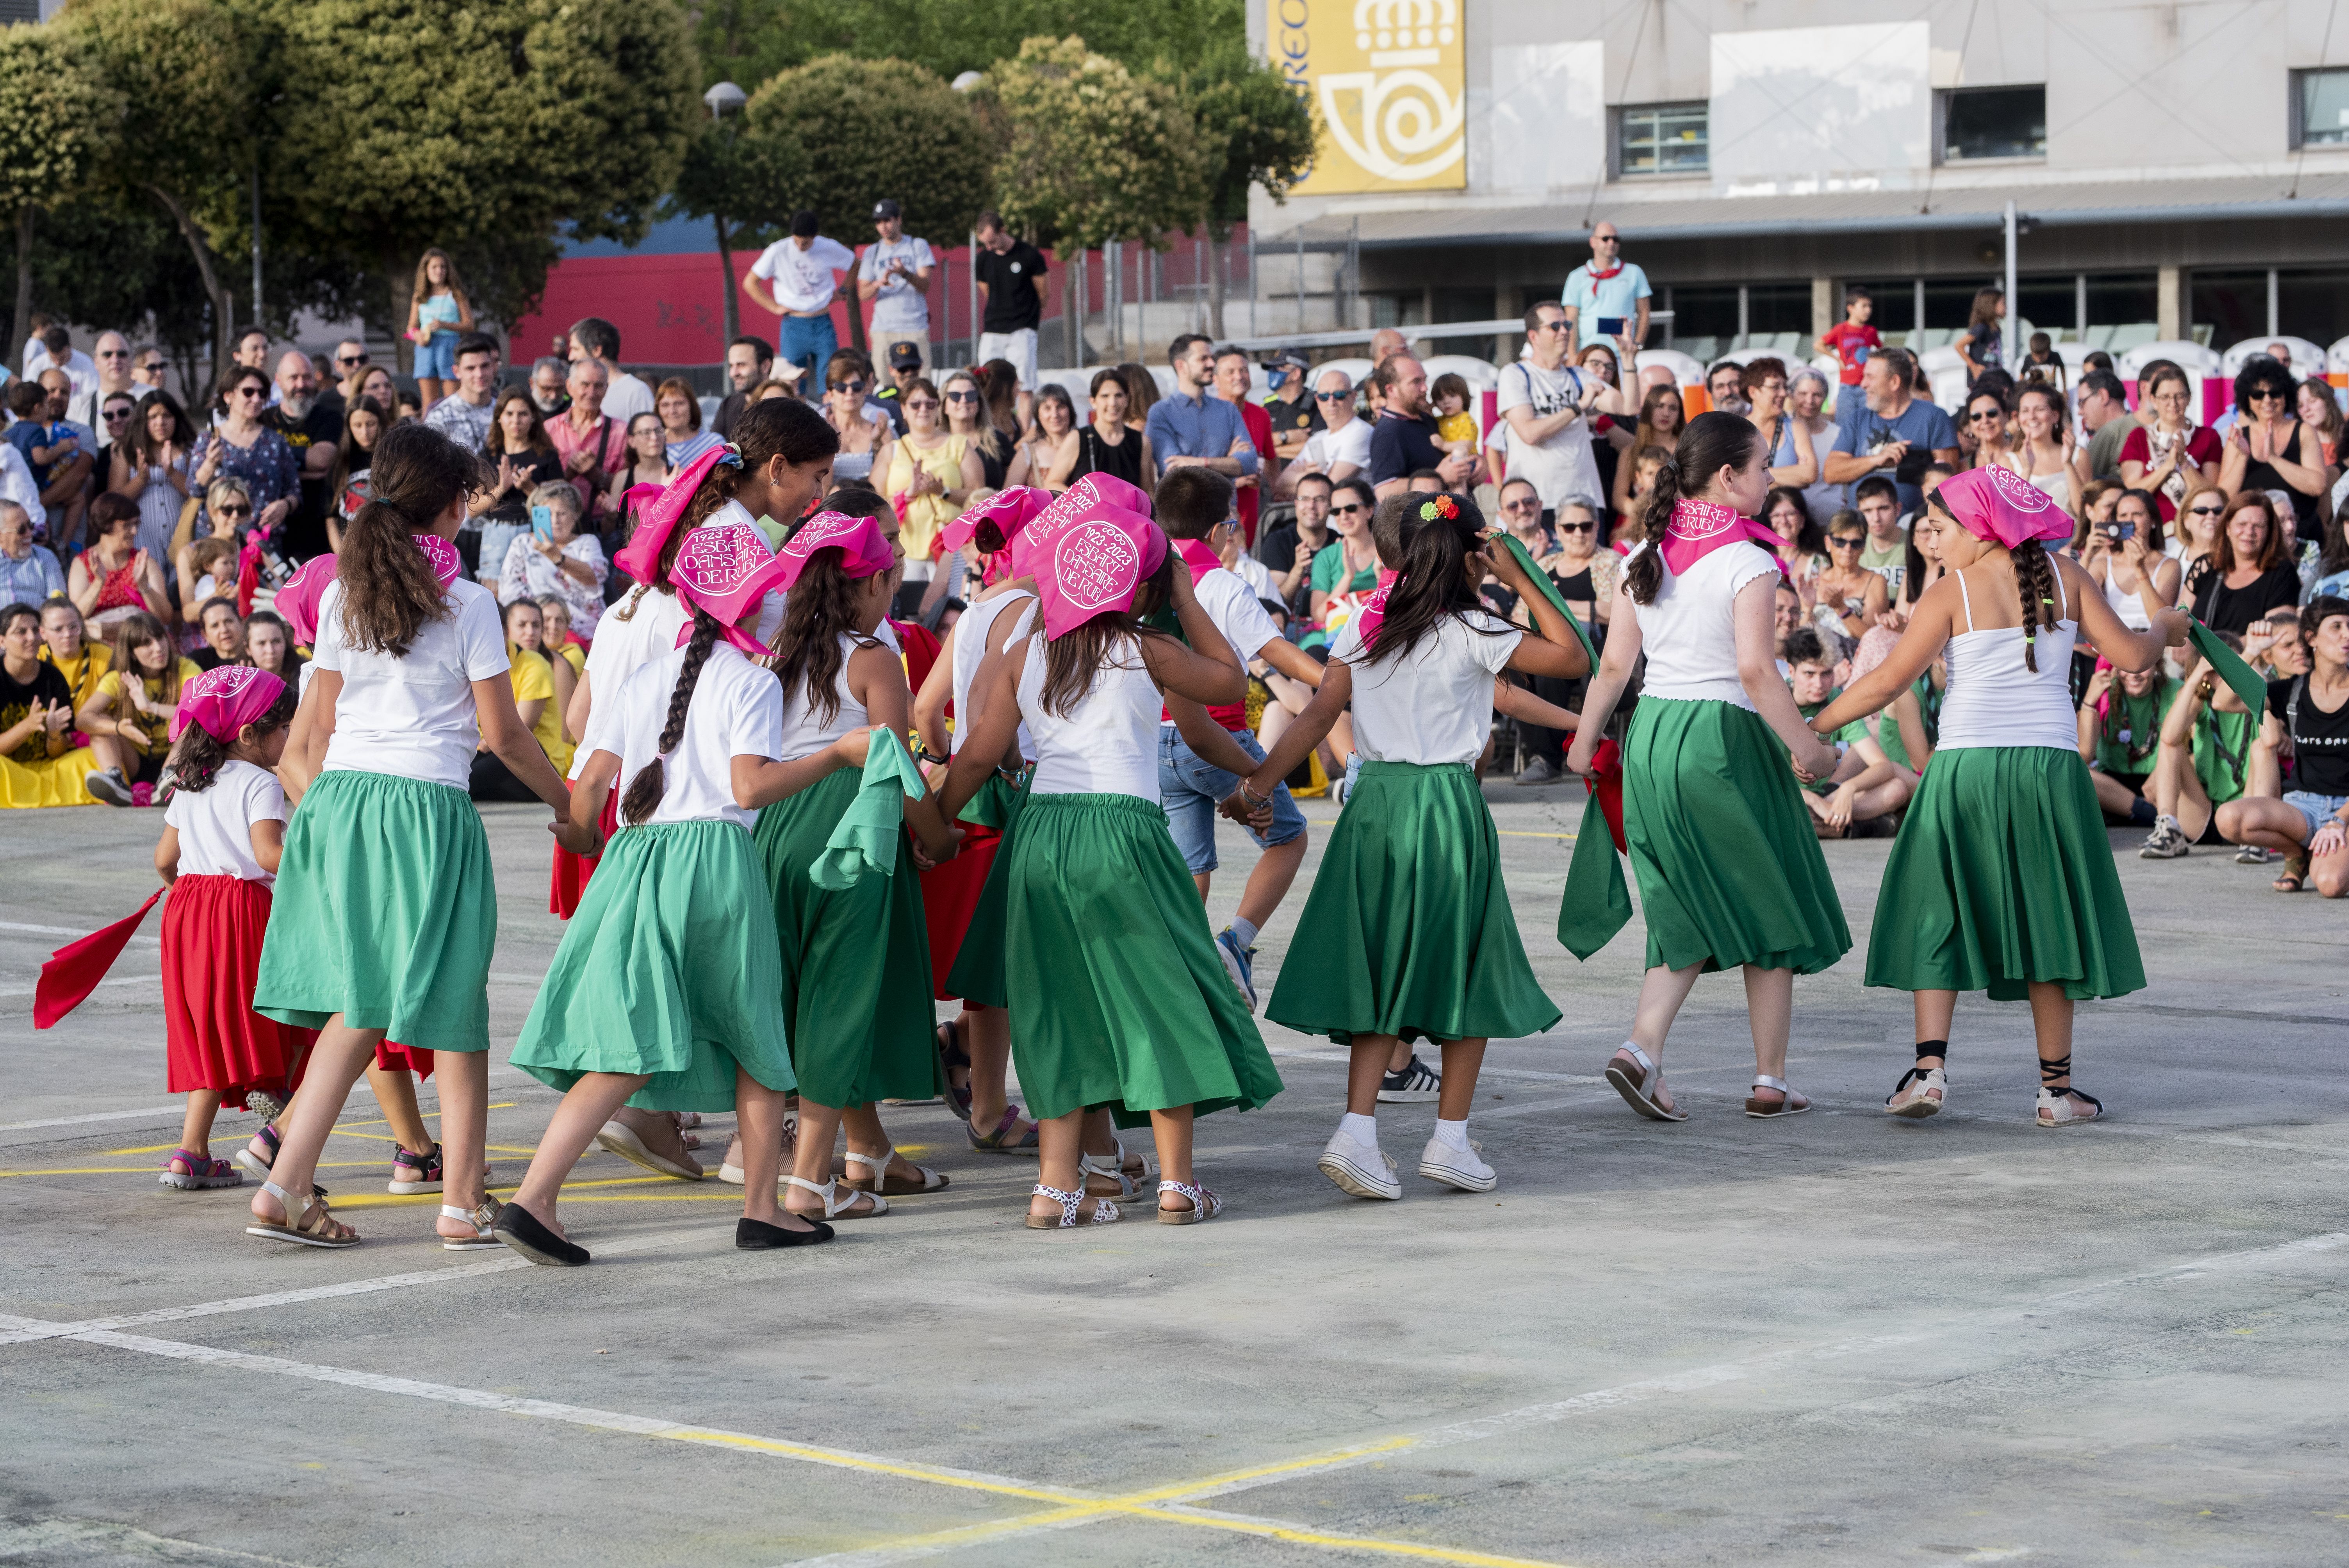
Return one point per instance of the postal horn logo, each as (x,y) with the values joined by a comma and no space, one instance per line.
(1398,121)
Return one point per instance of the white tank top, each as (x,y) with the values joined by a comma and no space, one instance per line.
(1108,746)
(2130,607)
(1995,700)
(1689,633)
(971,640)
(803,734)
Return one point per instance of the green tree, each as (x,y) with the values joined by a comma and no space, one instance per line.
(57,119)
(481,126)
(750,40)
(1257,131)
(726,176)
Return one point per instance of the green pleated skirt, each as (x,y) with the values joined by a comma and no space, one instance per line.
(855,963)
(1729,868)
(1117,997)
(1409,929)
(384,912)
(2003,875)
(669,967)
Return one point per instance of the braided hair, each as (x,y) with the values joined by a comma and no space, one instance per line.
(645,790)
(1708,444)
(2035,578)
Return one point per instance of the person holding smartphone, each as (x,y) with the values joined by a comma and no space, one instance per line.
(1606,296)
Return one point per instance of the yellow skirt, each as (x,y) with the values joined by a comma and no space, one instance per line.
(56,781)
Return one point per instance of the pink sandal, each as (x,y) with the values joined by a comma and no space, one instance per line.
(203,1172)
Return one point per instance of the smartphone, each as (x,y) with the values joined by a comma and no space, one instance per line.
(541,522)
(1613,326)
(2116,532)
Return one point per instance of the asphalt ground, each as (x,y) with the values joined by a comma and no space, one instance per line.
(1833,1339)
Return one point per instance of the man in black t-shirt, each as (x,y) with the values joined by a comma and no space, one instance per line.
(314,433)
(1009,271)
(1405,440)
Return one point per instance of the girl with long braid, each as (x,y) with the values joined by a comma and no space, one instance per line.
(1729,871)
(669,985)
(2002,877)
(384,916)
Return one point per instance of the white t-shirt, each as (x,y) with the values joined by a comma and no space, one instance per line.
(1689,633)
(1433,704)
(621,648)
(899,306)
(413,717)
(803,279)
(1562,467)
(81,370)
(737,711)
(1231,605)
(1109,745)
(1326,448)
(216,824)
(626,397)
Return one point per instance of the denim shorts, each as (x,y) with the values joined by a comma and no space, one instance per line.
(438,358)
(1191,790)
(2314,809)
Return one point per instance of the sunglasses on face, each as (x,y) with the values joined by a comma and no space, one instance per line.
(353,360)
(922,405)
(962,396)
(1352,505)
(1521,506)
(1331,397)
(114,354)
(1550,326)
(251,392)
(233,511)
(1841,542)
(115,415)
(1578,528)
(152,368)
(2204,510)
(849,386)
(1986,415)
(2266,397)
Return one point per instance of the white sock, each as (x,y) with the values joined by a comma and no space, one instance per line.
(1363,1130)
(1452,1134)
(1243,931)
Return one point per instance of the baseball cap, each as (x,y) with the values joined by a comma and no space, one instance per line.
(804,224)
(887,208)
(1290,357)
(905,355)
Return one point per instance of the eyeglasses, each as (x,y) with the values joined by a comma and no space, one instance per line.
(231,511)
(921,405)
(1845,541)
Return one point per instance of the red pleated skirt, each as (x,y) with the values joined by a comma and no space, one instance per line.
(568,882)
(212,927)
(950,895)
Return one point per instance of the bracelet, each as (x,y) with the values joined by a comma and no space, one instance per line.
(929,756)
(1250,796)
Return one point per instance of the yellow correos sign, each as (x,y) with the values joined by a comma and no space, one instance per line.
(1388,79)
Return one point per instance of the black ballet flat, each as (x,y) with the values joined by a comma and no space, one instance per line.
(758,1236)
(519,1228)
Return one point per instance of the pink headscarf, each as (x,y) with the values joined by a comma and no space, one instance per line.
(224,701)
(1701,527)
(447,565)
(1009,510)
(642,554)
(865,549)
(2002,507)
(1374,609)
(298,601)
(727,569)
(1089,494)
(1199,556)
(1090,561)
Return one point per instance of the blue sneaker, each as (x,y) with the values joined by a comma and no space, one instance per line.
(1239,963)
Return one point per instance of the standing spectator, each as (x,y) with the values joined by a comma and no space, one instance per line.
(150,468)
(440,309)
(1405,440)
(350,357)
(2172,454)
(1549,406)
(795,278)
(56,352)
(463,412)
(1891,428)
(315,435)
(1606,296)
(1725,388)
(1110,444)
(1806,399)
(1141,395)
(147,363)
(53,454)
(552,557)
(625,396)
(904,369)
(1852,340)
(252,350)
(2104,416)
(593,443)
(114,417)
(115,377)
(525,461)
(1341,448)
(864,441)
(2270,448)
(1231,385)
(1290,407)
(244,447)
(747,360)
(1010,274)
(1794,461)
(1982,345)
(1190,426)
(364,423)
(114,579)
(893,275)
(29,574)
(547,374)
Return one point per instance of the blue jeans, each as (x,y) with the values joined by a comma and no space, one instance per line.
(1191,790)
(438,358)
(2314,809)
(809,341)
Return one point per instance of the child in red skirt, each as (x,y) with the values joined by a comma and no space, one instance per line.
(222,833)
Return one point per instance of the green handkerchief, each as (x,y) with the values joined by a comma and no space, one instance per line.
(2231,667)
(866,839)
(1597,904)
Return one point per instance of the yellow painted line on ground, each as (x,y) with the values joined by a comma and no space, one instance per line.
(156,1169)
(339,1126)
(1262,1473)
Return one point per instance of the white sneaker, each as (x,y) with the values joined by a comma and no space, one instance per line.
(1439,1161)
(1359,1168)
(2165,842)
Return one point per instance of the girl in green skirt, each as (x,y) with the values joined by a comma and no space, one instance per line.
(1729,868)
(384,917)
(668,986)
(856,981)
(2002,877)
(1115,993)
(1415,932)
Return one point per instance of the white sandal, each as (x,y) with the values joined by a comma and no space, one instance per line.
(308,1226)
(1204,1205)
(1787,1099)
(1921,1092)
(2056,1108)
(930,1181)
(483,1239)
(1638,1082)
(1104,1213)
(835,1207)
(1112,1166)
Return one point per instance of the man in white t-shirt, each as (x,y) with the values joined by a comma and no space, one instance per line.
(597,341)
(1341,448)
(1547,406)
(797,278)
(53,349)
(895,274)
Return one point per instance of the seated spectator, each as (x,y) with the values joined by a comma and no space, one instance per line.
(114,579)
(223,633)
(2309,825)
(2204,760)
(1060,450)
(269,645)
(679,412)
(558,636)
(1849,597)
(524,457)
(1635,479)
(1003,457)
(1288,549)
(1585,575)
(244,446)
(645,462)
(1661,415)
(2120,720)
(40,765)
(2249,573)
(29,573)
(552,557)
(128,722)
(1858,799)
(364,423)
(67,648)
(543,689)
(207,571)
(1345,569)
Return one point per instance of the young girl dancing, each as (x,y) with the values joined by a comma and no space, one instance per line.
(222,835)
(1115,993)
(384,916)
(668,983)
(857,979)
(2002,877)
(1411,887)
(1729,868)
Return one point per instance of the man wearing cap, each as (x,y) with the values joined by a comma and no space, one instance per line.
(894,276)
(794,278)
(904,369)
(1294,417)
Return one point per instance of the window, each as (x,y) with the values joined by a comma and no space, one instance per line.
(1660,138)
(2323,103)
(1994,123)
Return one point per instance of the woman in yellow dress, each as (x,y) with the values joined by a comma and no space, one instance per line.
(932,473)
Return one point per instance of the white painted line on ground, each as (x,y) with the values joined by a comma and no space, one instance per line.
(95,1116)
(155,980)
(45,930)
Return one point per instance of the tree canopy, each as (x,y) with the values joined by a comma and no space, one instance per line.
(56,121)
(838,134)
(1096,152)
